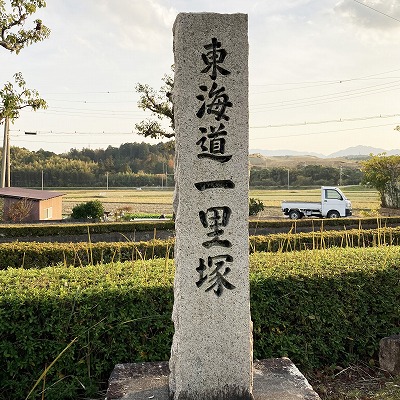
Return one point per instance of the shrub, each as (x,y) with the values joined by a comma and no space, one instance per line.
(66,229)
(255,206)
(107,314)
(89,210)
(319,308)
(40,255)
(324,307)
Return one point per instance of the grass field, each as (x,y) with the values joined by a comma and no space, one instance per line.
(365,201)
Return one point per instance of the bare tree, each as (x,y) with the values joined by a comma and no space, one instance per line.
(20,210)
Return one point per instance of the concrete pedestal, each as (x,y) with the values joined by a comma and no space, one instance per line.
(274,379)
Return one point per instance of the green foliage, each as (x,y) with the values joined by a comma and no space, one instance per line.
(12,100)
(324,307)
(309,175)
(41,255)
(14,36)
(115,313)
(383,173)
(131,216)
(90,210)
(319,308)
(124,166)
(286,242)
(160,105)
(126,229)
(255,206)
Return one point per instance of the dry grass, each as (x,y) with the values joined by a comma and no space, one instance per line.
(356,382)
(146,201)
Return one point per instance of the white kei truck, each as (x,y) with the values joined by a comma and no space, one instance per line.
(333,204)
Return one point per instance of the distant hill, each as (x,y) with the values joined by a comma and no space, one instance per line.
(362,150)
(261,161)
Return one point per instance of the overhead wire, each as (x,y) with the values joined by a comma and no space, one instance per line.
(338,96)
(317,133)
(380,12)
(340,120)
(271,106)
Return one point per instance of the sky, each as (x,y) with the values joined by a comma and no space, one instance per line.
(324,75)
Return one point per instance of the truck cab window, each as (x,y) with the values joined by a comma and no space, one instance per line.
(332,194)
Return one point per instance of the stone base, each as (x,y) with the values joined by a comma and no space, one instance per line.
(389,354)
(274,379)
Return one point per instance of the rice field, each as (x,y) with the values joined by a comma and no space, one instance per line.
(365,201)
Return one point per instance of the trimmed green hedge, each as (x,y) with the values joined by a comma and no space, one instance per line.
(66,229)
(282,242)
(319,307)
(325,307)
(40,255)
(113,313)
(321,223)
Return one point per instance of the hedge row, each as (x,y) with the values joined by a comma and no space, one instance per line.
(321,223)
(319,308)
(282,242)
(40,255)
(66,229)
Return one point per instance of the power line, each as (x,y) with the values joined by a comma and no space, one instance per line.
(76,132)
(342,93)
(332,82)
(318,133)
(340,120)
(104,133)
(92,102)
(88,114)
(318,85)
(311,102)
(380,12)
(99,92)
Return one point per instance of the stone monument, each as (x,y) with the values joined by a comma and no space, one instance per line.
(211,356)
(212,353)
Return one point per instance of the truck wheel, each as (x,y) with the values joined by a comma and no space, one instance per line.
(333,214)
(294,214)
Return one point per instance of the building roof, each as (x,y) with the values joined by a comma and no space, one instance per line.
(33,194)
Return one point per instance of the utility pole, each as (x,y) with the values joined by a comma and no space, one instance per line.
(5,166)
(288,179)
(8,181)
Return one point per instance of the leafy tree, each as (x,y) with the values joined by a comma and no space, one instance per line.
(14,99)
(90,210)
(383,173)
(14,36)
(160,105)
